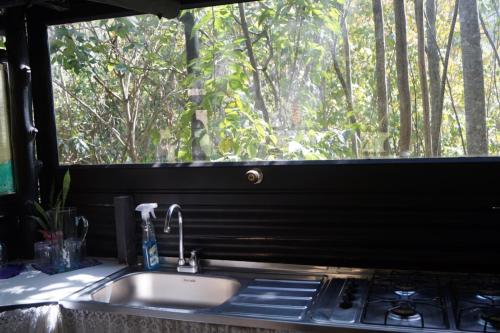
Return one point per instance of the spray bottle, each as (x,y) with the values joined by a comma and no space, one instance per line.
(149,245)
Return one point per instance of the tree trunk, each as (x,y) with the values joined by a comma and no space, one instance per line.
(195,94)
(382,109)
(444,78)
(434,77)
(348,82)
(419,18)
(403,83)
(472,63)
(260,105)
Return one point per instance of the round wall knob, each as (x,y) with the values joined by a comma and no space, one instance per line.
(255,176)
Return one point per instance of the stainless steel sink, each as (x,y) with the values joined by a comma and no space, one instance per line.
(233,296)
(164,290)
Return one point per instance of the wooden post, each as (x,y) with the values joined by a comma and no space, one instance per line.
(23,131)
(43,105)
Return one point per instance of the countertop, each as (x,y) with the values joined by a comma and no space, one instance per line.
(33,287)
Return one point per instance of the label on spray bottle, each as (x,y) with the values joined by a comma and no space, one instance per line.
(150,253)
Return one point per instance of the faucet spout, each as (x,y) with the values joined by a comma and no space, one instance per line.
(171,210)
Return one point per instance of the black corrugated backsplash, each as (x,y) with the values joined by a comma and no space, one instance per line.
(317,235)
(356,229)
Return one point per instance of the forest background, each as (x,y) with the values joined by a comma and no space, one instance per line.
(281,80)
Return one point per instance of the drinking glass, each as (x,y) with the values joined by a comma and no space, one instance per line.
(72,253)
(68,222)
(69,231)
(43,253)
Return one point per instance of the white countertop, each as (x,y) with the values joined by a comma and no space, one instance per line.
(32,286)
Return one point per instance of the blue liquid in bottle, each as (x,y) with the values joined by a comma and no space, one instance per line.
(149,247)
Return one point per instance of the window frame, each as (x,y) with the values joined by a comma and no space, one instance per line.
(298,175)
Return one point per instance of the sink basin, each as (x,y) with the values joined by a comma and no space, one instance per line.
(165,290)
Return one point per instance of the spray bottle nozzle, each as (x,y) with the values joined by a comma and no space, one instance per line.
(147,210)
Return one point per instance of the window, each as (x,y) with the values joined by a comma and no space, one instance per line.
(277,80)
(6,176)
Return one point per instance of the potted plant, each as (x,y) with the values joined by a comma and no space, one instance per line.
(51,221)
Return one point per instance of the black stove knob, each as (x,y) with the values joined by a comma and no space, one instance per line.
(346,302)
(351,286)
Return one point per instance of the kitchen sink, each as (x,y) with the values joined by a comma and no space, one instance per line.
(231,296)
(184,293)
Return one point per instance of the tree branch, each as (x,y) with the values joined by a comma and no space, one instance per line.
(108,90)
(91,110)
(447,81)
(488,36)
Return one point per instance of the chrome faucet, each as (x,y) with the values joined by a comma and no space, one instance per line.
(182,266)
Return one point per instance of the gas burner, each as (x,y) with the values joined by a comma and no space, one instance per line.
(477,302)
(403,310)
(404,288)
(489,294)
(488,297)
(490,317)
(406,299)
(479,318)
(405,293)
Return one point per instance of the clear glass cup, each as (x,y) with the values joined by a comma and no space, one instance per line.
(66,239)
(68,222)
(72,253)
(43,253)
(56,250)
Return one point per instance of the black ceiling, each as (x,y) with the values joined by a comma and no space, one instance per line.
(64,5)
(65,11)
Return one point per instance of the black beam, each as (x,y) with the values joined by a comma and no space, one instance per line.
(43,104)
(80,12)
(88,11)
(18,3)
(23,131)
(190,4)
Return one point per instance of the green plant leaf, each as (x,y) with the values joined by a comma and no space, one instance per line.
(52,198)
(42,213)
(39,221)
(65,189)
(56,209)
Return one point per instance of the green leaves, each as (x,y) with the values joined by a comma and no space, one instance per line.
(43,220)
(40,222)
(142,106)
(65,187)
(57,202)
(155,137)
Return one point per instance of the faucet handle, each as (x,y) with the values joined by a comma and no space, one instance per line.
(193,260)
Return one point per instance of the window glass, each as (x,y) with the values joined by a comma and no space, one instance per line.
(6,177)
(280,80)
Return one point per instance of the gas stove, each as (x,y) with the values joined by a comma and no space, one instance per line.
(412,301)
(477,303)
(406,299)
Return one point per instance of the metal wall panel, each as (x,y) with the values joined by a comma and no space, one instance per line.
(445,231)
